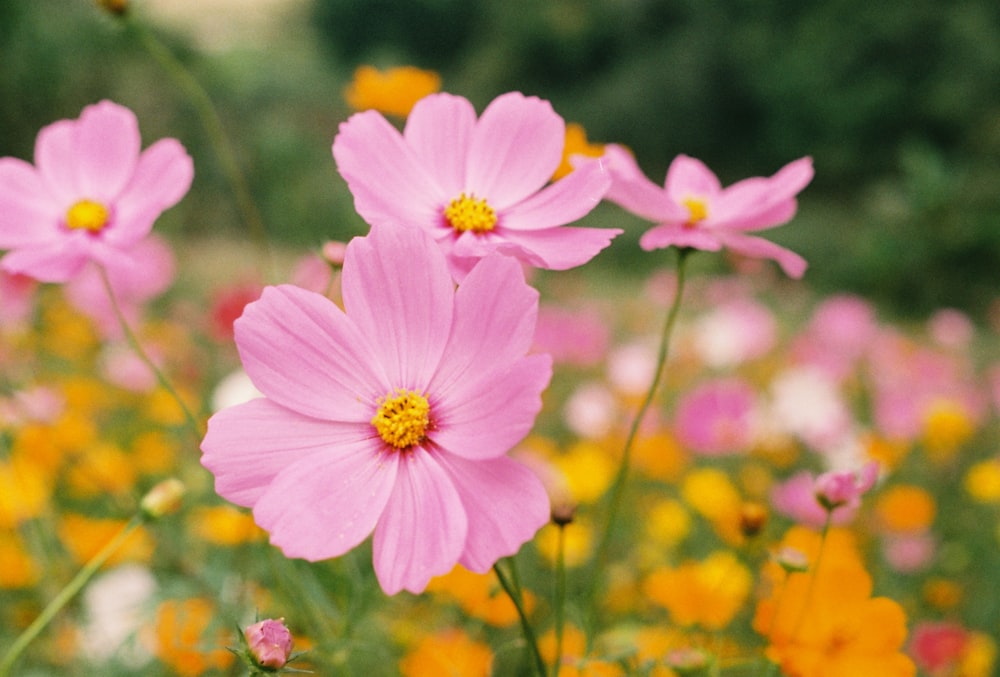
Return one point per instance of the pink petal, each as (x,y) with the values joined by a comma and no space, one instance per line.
(631,190)
(28,213)
(677,235)
(688,177)
(107,149)
(564,247)
(756,203)
(161,178)
(506,505)
(399,294)
(755,247)
(327,503)
(57,261)
(439,129)
(55,158)
(494,323)
(249,444)
(389,183)
(301,351)
(423,529)
(566,200)
(516,146)
(485,416)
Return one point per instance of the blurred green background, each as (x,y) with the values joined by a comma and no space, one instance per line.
(898,103)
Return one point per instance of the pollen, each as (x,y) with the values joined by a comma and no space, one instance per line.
(697,209)
(402,419)
(87,214)
(467,213)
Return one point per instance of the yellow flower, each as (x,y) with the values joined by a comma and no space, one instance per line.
(83,537)
(588,469)
(905,508)
(576,144)
(450,653)
(103,469)
(393,91)
(711,493)
(24,491)
(660,457)
(947,426)
(17,569)
(979,658)
(223,525)
(667,522)
(982,481)
(578,542)
(708,593)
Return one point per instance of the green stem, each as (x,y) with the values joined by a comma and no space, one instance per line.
(560,596)
(142,355)
(513,591)
(618,485)
(815,574)
(65,595)
(213,126)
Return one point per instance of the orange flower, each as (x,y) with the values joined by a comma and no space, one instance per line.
(447,654)
(830,626)
(708,593)
(17,569)
(83,537)
(905,509)
(480,596)
(181,642)
(224,525)
(575,662)
(393,91)
(576,144)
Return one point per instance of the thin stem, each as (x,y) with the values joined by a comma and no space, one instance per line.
(142,355)
(213,126)
(65,595)
(815,574)
(618,486)
(513,591)
(560,596)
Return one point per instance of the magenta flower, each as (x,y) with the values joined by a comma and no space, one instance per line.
(91,195)
(477,186)
(393,416)
(717,417)
(693,210)
(845,487)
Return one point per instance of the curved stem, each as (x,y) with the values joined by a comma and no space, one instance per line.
(513,591)
(618,486)
(142,355)
(65,595)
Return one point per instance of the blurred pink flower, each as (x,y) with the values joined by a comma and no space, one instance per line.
(17,298)
(795,498)
(579,338)
(841,329)
(476,186)
(393,416)
(909,553)
(951,328)
(91,196)
(227,305)
(734,332)
(144,274)
(716,418)
(937,645)
(692,209)
(838,488)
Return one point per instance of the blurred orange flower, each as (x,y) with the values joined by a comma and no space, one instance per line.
(84,536)
(393,91)
(480,596)
(576,144)
(181,640)
(450,653)
(708,593)
(224,525)
(905,508)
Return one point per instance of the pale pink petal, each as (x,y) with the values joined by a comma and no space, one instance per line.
(566,200)
(439,130)
(485,416)
(423,528)
(516,146)
(248,444)
(631,190)
(107,149)
(561,248)
(677,235)
(688,177)
(28,213)
(494,322)
(58,261)
(399,294)
(302,352)
(162,177)
(759,248)
(327,503)
(55,150)
(388,181)
(506,504)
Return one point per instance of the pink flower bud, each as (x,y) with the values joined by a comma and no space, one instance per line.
(270,643)
(333,252)
(835,489)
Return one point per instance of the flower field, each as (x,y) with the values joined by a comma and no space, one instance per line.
(460,444)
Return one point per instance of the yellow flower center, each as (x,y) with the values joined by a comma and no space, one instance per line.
(467,213)
(87,214)
(697,210)
(402,419)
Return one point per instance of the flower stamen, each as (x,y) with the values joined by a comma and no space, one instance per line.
(466,213)
(88,215)
(697,210)
(402,419)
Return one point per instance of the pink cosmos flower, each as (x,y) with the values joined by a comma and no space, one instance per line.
(393,416)
(716,418)
(476,186)
(692,209)
(91,195)
(845,487)
(795,498)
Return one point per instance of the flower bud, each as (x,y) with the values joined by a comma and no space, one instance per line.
(333,253)
(269,643)
(792,560)
(753,517)
(116,7)
(836,489)
(162,499)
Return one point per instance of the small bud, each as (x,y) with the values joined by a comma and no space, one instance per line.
(563,513)
(162,499)
(753,517)
(688,661)
(792,560)
(269,643)
(333,253)
(116,7)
